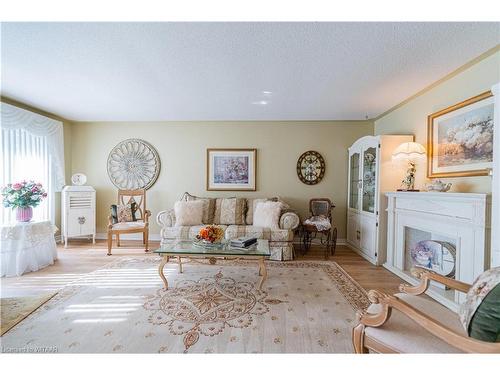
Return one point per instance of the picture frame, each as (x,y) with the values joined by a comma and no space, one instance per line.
(460,139)
(231,169)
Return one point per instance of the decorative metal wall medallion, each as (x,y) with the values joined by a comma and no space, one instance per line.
(133,164)
(311,167)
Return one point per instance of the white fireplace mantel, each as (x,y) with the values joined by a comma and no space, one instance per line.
(462,217)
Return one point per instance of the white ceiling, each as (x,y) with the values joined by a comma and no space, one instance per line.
(218,71)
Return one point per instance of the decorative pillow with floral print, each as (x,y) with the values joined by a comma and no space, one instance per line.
(484,284)
(123,212)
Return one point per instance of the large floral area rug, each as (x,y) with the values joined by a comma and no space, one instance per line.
(304,307)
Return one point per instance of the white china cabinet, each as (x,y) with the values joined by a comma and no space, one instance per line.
(371,174)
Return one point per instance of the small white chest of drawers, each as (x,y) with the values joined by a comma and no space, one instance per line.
(78,212)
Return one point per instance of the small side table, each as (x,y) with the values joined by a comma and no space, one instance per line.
(26,247)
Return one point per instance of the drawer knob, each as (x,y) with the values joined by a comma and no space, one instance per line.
(81,220)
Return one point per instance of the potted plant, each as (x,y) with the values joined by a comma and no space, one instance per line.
(23,196)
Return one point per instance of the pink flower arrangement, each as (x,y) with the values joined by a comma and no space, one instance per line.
(23,194)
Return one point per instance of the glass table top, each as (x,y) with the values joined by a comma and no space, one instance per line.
(196,248)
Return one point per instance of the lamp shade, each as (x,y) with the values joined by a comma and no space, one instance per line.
(411,151)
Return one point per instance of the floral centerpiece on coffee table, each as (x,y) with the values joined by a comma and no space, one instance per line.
(210,234)
(23,196)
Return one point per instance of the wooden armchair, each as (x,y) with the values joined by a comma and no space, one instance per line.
(139,226)
(407,323)
(328,237)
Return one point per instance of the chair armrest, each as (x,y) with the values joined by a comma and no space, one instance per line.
(426,275)
(428,323)
(110,221)
(289,220)
(166,218)
(147,214)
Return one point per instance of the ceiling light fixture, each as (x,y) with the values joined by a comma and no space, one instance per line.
(267,93)
(260,102)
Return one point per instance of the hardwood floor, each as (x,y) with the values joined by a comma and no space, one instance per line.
(365,273)
(82,257)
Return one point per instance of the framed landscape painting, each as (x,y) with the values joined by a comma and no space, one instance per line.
(231,169)
(460,139)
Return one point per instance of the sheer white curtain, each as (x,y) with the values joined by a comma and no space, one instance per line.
(31,149)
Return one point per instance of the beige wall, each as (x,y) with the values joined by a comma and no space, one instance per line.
(182,148)
(411,117)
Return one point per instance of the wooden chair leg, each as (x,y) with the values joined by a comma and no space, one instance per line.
(110,242)
(358,334)
(117,240)
(334,238)
(328,241)
(146,240)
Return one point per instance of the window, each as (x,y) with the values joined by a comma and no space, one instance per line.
(31,149)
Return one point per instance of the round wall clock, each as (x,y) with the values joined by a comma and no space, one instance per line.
(311,167)
(78,179)
(133,164)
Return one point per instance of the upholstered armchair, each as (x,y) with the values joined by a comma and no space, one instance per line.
(140,224)
(410,323)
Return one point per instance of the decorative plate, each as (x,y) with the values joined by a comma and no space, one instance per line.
(311,167)
(438,256)
(133,164)
(78,179)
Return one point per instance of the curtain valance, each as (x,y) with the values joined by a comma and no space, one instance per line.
(17,118)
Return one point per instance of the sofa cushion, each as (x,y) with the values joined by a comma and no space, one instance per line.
(230,211)
(404,335)
(235,231)
(183,233)
(267,214)
(273,235)
(208,207)
(485,324)
(188,213)
(480,312)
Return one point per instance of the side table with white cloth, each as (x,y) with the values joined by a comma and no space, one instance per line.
(27,247)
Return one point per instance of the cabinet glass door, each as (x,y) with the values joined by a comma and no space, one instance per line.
(354,181)
(369,178)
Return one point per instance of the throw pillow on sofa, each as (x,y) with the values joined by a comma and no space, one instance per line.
(267,214)
(252,203)
(230,211)
(188,213)
(208,208)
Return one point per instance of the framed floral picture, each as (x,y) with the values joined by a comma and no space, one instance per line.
(460,139)
(231,169)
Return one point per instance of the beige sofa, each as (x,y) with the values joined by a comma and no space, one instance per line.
(280,240)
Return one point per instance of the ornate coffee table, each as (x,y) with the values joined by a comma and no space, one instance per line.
(195,252)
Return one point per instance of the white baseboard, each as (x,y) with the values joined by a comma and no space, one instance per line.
(156,237)
(130,236)
(340,241)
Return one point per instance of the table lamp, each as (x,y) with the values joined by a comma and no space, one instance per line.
(411,152)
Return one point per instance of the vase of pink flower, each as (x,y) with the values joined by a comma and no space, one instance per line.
(23,196)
